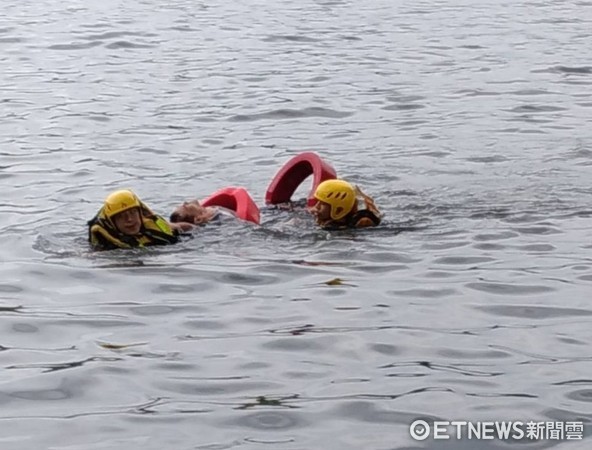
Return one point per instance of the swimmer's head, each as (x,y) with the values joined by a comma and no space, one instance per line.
(123,209)
(336,198)
(189,212)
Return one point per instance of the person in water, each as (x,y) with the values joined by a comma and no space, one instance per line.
(337,206)
(124,221)
(192,213)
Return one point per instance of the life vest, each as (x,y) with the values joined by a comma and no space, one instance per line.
(104,235)
(362,219)
(370,216)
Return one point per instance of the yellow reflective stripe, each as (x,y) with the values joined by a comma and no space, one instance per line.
(162,225)
(98,229)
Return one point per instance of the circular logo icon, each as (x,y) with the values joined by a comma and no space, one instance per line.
(419,430)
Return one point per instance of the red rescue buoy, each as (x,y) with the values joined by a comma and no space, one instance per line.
(293,173)
(236,199)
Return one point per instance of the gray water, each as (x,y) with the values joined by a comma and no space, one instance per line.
(470,122)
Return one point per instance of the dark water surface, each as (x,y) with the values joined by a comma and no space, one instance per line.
(470,122)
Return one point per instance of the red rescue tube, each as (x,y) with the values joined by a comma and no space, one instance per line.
(293,173)
(236,199)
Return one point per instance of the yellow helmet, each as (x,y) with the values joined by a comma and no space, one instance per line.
(339,194)
(120,201)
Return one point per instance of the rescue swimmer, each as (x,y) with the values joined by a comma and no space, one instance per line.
(337,206)
(124,221)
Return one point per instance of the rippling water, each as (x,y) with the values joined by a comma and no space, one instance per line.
(469,122)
